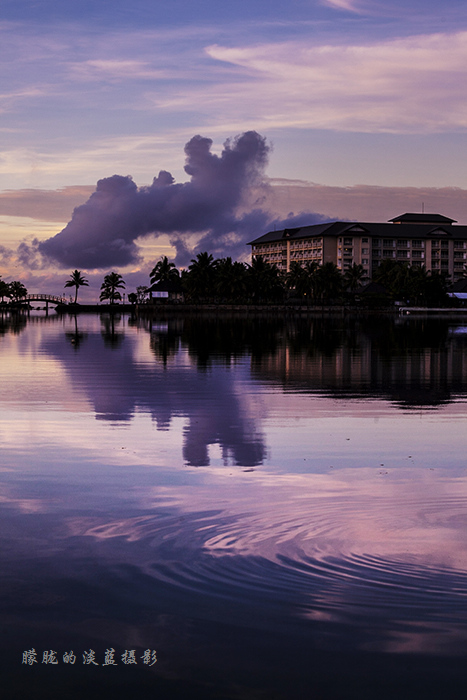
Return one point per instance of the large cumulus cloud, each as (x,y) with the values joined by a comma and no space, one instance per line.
(102,232)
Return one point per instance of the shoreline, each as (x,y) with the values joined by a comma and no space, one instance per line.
(244,310)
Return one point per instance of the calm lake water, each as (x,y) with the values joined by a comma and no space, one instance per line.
(271,508)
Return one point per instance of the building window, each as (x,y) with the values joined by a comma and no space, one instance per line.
(389,243)
(365,251)
(364,240)
(418,244)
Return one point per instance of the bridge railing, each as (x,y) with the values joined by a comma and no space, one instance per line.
(44,297)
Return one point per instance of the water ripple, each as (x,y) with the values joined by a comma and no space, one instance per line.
(340,558)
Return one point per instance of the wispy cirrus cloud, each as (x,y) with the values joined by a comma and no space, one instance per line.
(79,105)
(43,205)
(114,69)
(408,85)
(9,99)
(348,5)
(364,202)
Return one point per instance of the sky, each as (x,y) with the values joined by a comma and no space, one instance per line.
(256,113)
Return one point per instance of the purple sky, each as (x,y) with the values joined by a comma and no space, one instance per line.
(360,106)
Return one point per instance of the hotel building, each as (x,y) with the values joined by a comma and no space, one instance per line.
(428,240)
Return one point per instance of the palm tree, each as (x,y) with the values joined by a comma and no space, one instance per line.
(231,279)
(329,281)
(312,268)
(402,281)
(436,285)
(17,290)
(354,276)
(265,281)
(297,279)
(76,280)
(4,290)
(387,272)
(201,274)
(110,286)
(164,271)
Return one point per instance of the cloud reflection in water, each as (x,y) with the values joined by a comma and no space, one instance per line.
(111,531)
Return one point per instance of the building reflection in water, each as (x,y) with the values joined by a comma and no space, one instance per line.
(414,363)
(110,541)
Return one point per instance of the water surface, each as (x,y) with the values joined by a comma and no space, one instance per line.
(277,507)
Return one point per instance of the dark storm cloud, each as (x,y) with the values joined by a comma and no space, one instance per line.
(103,231)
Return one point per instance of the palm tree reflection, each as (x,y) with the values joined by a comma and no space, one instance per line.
(112,338)
(75,337)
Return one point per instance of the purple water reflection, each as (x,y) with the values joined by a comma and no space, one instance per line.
(226,515)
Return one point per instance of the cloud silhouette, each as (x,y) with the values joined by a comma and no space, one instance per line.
(103,231)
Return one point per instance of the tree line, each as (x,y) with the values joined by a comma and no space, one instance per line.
(110,288)
(208,279)
(12,290)
(223,280)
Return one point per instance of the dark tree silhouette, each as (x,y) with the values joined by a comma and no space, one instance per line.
(5,290)
(411,284)
(354,276)
(164,271)
(201,276)
(231,280)
(265,281)
(76,280)
(328,282)
(17,290)
(110,286)
(297,279)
